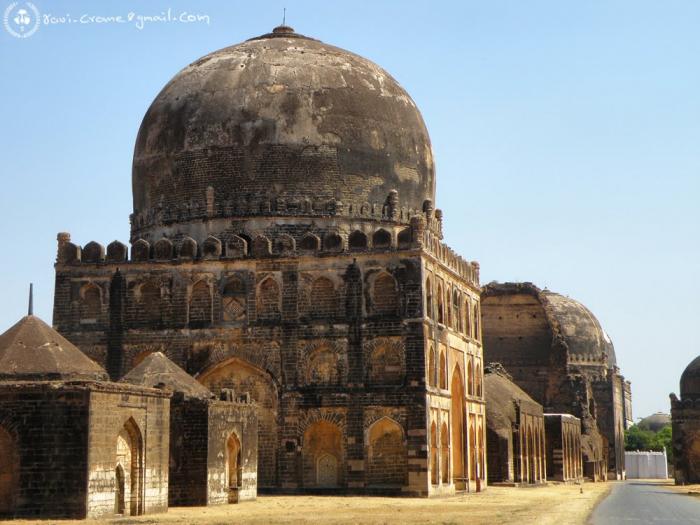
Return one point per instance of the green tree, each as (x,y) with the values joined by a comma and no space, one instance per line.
(664,439)
(639,439)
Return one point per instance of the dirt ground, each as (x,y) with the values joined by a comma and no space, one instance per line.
(690,490)
(554,504)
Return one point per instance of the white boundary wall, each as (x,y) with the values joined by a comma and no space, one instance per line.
(646,465)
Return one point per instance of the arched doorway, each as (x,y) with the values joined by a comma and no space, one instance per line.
(327,471)
(234,470)
(128,470)
(458,433)
(119,496)
(241,376)
(9,473)
(322,454)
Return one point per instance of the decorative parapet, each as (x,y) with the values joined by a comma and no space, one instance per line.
(467,270)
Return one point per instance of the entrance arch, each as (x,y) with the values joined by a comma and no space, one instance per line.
(322,454)
(241,376)
(129,465)
(458,433)
(9,472)
(234,470)
(119,497)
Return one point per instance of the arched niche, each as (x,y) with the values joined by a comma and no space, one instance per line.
(386,454)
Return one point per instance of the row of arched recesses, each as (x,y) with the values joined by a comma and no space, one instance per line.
(438,366)
(129,470)
(452,307)
(571,448)
(531,448)
(321,300)
(9,472)
(323,455)
(457,452)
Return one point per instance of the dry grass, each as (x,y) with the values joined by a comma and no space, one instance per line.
(553,504)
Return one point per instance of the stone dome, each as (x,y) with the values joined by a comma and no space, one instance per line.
(571,322)
(31,350)
(690,380)
(584,336)
(655,422)
(281,124)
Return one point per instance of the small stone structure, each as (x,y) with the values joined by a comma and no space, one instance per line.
(564,454)
(72,443)
(213,443)
(685,421)
(557,352)
(515,431)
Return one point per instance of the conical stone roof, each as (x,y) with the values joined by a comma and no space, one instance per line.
(157,369)
(31,350)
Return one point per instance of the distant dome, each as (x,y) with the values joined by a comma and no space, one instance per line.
(31,350)
(582,332)
(156,369)
(279,124)
(690,380)
(655,422)
(586,341)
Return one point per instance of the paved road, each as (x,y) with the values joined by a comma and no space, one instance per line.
(636,502)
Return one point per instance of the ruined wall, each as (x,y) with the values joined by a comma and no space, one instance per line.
(517,335)
(609,399)
(44,429)
(129,435)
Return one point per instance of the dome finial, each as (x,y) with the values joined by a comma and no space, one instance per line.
(30,308)
(284,28)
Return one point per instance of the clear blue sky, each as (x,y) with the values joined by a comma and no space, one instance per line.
(566,138)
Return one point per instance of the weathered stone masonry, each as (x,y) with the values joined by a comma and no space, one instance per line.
(284,243)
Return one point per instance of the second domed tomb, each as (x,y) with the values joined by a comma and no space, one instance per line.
(557,351)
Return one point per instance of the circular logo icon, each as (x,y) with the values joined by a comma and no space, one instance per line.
(21,20)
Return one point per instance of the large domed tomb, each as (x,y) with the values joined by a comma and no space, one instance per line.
(279,125)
